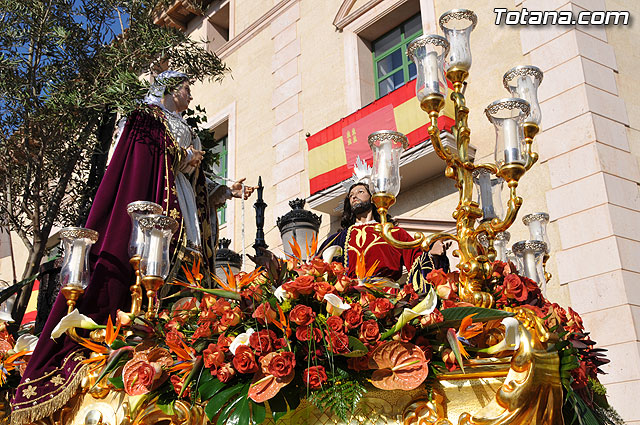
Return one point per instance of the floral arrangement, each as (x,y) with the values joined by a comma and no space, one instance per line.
(304,329)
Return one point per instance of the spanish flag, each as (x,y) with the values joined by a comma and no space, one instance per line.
(333,151)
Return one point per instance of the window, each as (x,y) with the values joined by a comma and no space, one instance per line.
(392,68)
(222,170)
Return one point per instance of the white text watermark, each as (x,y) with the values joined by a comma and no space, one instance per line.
(560,17)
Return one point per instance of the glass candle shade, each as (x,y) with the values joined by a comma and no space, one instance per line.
(76,243)
(136,210)
(489,189)
(428,52)
(530,254)
(537,224)
(157,230)
(457,25)
(507,116)
(511,257)
(523,82)
(7,306)
(500,245)
(387,146)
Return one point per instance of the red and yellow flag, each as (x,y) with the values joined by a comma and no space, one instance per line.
(333,151)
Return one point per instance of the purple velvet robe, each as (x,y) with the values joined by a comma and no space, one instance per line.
(140,169)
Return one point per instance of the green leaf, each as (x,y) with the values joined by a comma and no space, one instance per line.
(258,412)
(224,418)
(358,349)
(240,415)
(453,316)
(118,343)
(215,404)
(210,388)
(117,382)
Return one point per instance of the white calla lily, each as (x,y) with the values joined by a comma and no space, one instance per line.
(241,339)
(26,342)
(511,339)
(330,252)
(73,320)
(335,305)
(280,294)
(423,308)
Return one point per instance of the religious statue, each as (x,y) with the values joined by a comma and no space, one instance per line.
(358,238)
(157,158)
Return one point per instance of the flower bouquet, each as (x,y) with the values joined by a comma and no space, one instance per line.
(297,330)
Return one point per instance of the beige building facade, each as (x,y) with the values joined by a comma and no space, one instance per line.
(299,66)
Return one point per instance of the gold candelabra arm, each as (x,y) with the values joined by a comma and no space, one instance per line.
(530,131)
(136,288)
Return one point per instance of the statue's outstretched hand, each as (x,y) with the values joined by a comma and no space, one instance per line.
(236,189)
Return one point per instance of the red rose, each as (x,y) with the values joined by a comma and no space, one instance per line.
(282,364)
(338,342)
(213,355)
(322,288)
(231,317)
(335,324)
(314,377)
(225,372)
(408,292)
(514,288)
(318,266)
(353,316)
(580,376)
(433,318)
(447,290)
(437,277)
(244,361)
(449,360)
(343,283)
(262,341)
(302,315)
(221,306)
(369,332)
(303,285)
(304,333)
(174,337)
(425,346)
(264,313)
(224,342)
(380,307)
(203,331)
(407,333)
(336,268)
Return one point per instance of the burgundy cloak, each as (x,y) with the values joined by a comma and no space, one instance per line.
(140,169)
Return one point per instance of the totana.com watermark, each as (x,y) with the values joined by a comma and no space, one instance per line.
(560,17)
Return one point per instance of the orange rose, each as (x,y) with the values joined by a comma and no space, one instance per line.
(264,313)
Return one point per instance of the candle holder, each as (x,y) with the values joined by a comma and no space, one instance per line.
(457,25)
(523,82)
(428,52)
(155,262)
(137,210)
(489,189)
(537,224)
(7,306)
(530,253)
(74,276)
(475,260)
(496,247)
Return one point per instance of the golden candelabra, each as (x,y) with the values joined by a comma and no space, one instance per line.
(475,260)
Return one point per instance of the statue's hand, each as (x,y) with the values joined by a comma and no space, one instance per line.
(236,189)
(196,158)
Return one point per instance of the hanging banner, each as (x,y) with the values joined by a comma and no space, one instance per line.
(333,151)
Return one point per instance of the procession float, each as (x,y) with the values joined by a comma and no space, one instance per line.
(297,341)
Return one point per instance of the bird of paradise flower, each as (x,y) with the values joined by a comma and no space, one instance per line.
(10,363)
(103,351)
(467,330)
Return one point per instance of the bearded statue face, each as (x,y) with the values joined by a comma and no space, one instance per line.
(360,199)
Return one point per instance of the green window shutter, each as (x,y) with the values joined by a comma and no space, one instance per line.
(391,66)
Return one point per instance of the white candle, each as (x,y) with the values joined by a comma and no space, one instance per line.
(486,199)
(530,267)
(535,230)
(76,264)
(459,55)
(154,259)
(432,83)
(511,148)
(524,87)
(384,167)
